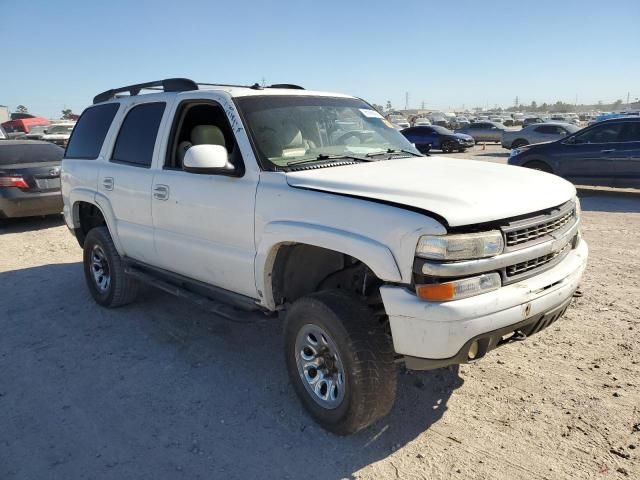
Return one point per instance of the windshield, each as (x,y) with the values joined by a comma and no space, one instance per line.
(293,129)
(59,129)
(442,130)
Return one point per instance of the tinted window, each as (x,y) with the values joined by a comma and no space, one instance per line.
(631,132)
(137,136)
(88,134)
(546,129)
(12,152)
(603,133)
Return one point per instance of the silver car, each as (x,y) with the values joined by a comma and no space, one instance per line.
(484,131)
(537,133)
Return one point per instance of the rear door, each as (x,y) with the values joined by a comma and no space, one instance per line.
(126,178)
(628,174)
(422,137)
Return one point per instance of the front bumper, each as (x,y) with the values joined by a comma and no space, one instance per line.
(436,334)
(16,203)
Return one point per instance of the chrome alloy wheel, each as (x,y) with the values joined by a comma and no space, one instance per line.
(319,366)
(100,269)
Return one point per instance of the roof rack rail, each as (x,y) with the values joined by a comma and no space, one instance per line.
(168,85)
(257,86)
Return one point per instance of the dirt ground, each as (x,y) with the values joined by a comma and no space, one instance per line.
(163,390)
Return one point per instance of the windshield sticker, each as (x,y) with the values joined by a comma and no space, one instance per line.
(367,112)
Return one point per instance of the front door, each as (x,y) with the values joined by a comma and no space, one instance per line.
(204,223)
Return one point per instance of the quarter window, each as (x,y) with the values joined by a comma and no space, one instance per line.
(137,136)
(89,133)
(631,132)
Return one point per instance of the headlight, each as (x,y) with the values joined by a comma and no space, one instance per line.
(459,289)
(460,246)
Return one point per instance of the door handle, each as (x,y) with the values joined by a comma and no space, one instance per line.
(610,150)
(107,183)
(161,192)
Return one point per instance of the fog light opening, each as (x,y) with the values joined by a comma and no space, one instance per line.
(473,350)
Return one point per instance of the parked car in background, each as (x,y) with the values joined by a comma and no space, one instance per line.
(484,131)
(59,133)
(399,121)
(536,133)
(36,132)
(23,125)
(607,153)
(435,136)
(531,120)
(29,178)
(421,121)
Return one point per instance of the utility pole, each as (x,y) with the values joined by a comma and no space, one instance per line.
(627,100)
(264,82)
(406,100)
(422,105)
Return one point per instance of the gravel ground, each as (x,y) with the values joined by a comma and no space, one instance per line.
(162,390)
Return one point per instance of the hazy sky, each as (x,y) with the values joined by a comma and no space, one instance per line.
(447,54)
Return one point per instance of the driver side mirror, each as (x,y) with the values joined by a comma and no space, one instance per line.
(207,159)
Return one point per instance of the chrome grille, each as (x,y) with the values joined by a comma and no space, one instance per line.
(535,263)
(538,230)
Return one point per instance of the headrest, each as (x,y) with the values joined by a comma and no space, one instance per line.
(290,135)
(207,135)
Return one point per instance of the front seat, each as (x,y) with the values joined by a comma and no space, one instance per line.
(293,144)
(201,135)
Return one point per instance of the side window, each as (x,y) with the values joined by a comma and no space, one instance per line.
(198,123)
(631,132)
(90,131)
(603,133)
(137,136)
(545,129)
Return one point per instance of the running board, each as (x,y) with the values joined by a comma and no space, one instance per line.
(225,304)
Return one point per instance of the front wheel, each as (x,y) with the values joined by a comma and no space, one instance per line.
(340,361)
(537,165)
(448,147)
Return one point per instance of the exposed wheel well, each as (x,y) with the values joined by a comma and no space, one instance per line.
(301,269)
(88,216)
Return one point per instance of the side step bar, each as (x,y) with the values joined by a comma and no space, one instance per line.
(215,300)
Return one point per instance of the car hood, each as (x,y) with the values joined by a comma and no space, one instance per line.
(463,192)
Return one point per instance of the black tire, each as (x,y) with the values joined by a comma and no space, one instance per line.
(538,165)
(119,288)
(520,142)
(448,146)
(365,350)
(461,150)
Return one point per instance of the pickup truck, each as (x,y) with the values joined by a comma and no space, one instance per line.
(312,206)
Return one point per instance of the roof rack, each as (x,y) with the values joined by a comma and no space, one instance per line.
(178,85)
(168,85)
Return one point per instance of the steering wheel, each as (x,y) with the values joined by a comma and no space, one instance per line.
(364,137)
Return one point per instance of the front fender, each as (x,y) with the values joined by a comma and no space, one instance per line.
(376,256)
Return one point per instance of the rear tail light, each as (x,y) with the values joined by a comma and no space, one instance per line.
(13,181)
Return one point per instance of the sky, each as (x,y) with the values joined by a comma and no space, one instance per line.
(446,54)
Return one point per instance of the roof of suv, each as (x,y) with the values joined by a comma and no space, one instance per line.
(180,85)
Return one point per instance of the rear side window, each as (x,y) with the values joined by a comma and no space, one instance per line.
(546,129)
(631,132)
(89,133)
(137,136)
(17,152)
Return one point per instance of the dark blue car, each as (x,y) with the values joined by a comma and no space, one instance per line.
(606,153)
(434,136)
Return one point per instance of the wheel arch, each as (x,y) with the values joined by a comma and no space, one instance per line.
(82,222)
(323,243)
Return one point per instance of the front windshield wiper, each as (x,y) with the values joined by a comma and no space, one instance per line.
(392,151)
(322,157)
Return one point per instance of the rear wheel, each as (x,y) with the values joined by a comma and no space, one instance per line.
(340,361)
(104,271)
(537,165)
(519,143)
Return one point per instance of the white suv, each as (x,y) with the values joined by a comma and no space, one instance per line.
(313,205)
